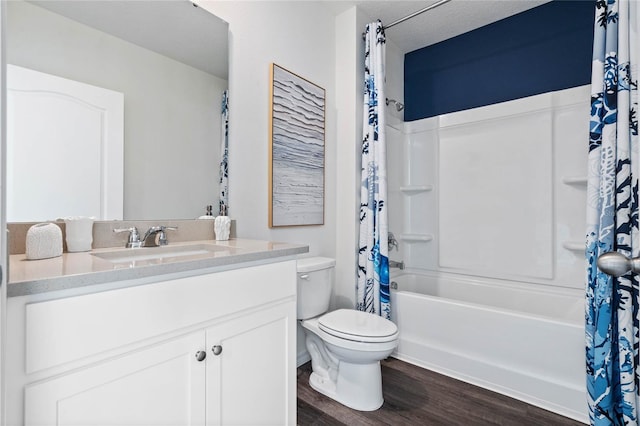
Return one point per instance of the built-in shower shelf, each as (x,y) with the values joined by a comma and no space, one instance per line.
(416,189)
(416,238)
(575,180)
(574,245)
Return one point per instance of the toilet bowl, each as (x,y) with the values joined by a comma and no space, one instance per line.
(346,346)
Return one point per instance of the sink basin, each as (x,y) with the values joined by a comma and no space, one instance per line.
(166,253)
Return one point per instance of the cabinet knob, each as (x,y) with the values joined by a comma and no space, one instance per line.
(217,349)
(201,355)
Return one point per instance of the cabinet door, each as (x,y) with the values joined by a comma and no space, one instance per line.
(252,380)
(160,385)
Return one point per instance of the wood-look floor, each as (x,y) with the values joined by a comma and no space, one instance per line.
(415,396)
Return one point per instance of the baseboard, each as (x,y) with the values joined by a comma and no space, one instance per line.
(302,358)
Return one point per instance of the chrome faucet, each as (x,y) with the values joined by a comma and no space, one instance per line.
(394,264)
(134,236)
(156,236)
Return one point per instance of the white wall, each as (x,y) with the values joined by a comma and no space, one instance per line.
(394,135)
(395,80)
(172,118)
(350,91)
(307,39)
(298,36)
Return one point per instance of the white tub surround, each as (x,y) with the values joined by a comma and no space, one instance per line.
(494,197)
(497,191)
(170,341)
(518,341)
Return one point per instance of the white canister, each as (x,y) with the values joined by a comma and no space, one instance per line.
(222,228)
(79,233)
(44,240)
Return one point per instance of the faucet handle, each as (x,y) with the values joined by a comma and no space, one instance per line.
(156,236)
(134,236)
(162,237)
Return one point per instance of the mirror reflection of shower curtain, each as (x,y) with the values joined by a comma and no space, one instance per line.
(372,290)
(224,157)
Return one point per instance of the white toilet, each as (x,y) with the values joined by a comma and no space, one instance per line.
(345,345)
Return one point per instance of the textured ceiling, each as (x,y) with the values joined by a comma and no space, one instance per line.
(445,21)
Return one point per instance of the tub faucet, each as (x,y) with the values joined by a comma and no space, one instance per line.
(156,236)
(395,264)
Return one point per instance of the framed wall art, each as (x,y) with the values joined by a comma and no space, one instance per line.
(296,152)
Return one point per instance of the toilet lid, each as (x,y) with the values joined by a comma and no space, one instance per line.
(358,326)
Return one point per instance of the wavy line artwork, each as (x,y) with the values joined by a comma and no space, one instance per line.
(297,150)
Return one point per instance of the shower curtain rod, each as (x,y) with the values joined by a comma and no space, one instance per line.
(419,12)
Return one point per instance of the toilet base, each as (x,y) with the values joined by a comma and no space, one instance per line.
(357,386)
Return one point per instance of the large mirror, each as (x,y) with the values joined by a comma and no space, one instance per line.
(168,59)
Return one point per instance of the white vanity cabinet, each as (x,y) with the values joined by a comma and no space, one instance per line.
(211,349)
(162,384)
(248,381)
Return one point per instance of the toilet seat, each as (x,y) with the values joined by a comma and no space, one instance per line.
(358,326)
(351,344)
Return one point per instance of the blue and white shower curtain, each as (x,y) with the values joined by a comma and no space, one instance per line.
(612,217)
(223,209)
(372,290)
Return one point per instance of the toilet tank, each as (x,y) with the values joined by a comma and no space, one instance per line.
(315,280)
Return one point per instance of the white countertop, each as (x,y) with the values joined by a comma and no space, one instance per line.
(73,270)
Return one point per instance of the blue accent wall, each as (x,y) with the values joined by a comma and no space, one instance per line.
(543,49)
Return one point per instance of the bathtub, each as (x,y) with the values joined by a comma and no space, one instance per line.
(503,336)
